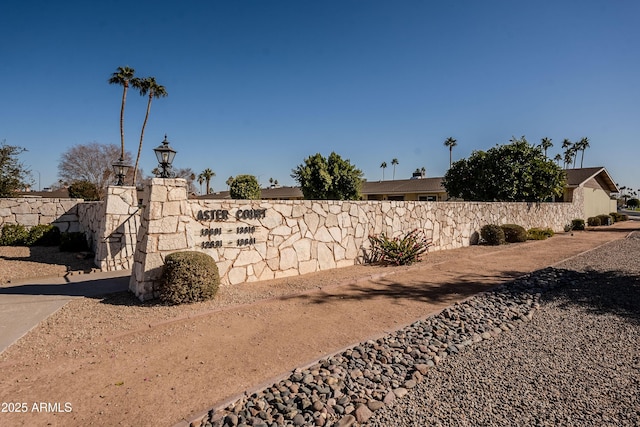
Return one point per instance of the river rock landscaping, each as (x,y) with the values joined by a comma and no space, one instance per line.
(485,361)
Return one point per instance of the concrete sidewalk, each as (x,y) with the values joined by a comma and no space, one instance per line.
(24,304)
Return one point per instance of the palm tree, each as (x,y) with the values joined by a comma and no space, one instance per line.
(121,77)
(207,174)
(567,145)
(545,143)
(383,166)
(229,181)
(583,145)
(394,162)
(200,181)
(557,158)
(450,142)
(148,85)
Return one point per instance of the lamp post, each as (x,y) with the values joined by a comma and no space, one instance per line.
(165,155)
(120,169)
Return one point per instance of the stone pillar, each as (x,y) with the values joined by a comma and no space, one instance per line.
(163,230)
(118,229)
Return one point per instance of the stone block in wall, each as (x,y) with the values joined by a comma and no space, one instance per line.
(27,219)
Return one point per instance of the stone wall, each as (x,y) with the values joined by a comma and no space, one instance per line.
(30,211)
(110,226)
(259,240)
(118,228)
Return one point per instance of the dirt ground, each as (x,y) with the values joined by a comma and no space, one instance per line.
(115,361)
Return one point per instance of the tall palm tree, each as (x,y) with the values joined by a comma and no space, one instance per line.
(207,174)
(394,162)
(147,85)
(567,145)
(383,166)
(121,77)
(557,158)
(583,144)
(546,143)
(450,142)
(200,181)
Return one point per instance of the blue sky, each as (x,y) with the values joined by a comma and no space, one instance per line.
(257,86)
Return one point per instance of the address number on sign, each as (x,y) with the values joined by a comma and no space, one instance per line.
(212,244)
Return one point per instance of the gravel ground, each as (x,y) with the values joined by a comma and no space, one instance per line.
(576,364)
(557,347)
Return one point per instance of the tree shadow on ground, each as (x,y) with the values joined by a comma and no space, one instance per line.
(599,292)
(421,290)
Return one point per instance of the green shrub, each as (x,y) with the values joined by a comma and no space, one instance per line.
(514,233)
(13,235)
(605,219)
(492,234)
(188,277)
(399,250)
(43,235)
(624,217)
(536,233)
(593,221)
(84,190)
(73,242)
(577,224)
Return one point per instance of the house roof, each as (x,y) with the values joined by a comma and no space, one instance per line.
(577,177)
(266,193)
(403,186)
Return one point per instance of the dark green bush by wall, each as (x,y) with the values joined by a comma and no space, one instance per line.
(492,234)
(514,233)
(577,224)
(188,276)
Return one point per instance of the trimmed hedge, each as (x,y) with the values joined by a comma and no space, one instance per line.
(594,221)
(577,224)
(43,235)
(539,233)
(188,276)
(13,235)
(514,233)
(605,219)
(492,235)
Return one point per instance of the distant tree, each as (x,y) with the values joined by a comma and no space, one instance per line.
(229,181)
(147,85)
(546,143)
(569,152)
(557,159)
(189,176)
(633,203)
(328,179)
(13,174)
(200,181)
(582,145)
(122,76)
(91,162)
(207,174)
(450,142)
(383,166)
(394,163)
(245,187)
(514,172)
(84,190)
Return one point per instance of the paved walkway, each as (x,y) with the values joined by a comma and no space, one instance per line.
(23,305)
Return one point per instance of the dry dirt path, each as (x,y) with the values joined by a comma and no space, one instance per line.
(160,370)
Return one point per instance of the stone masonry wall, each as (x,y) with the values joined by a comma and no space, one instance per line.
(118,228)
(30,211)
(260,240)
